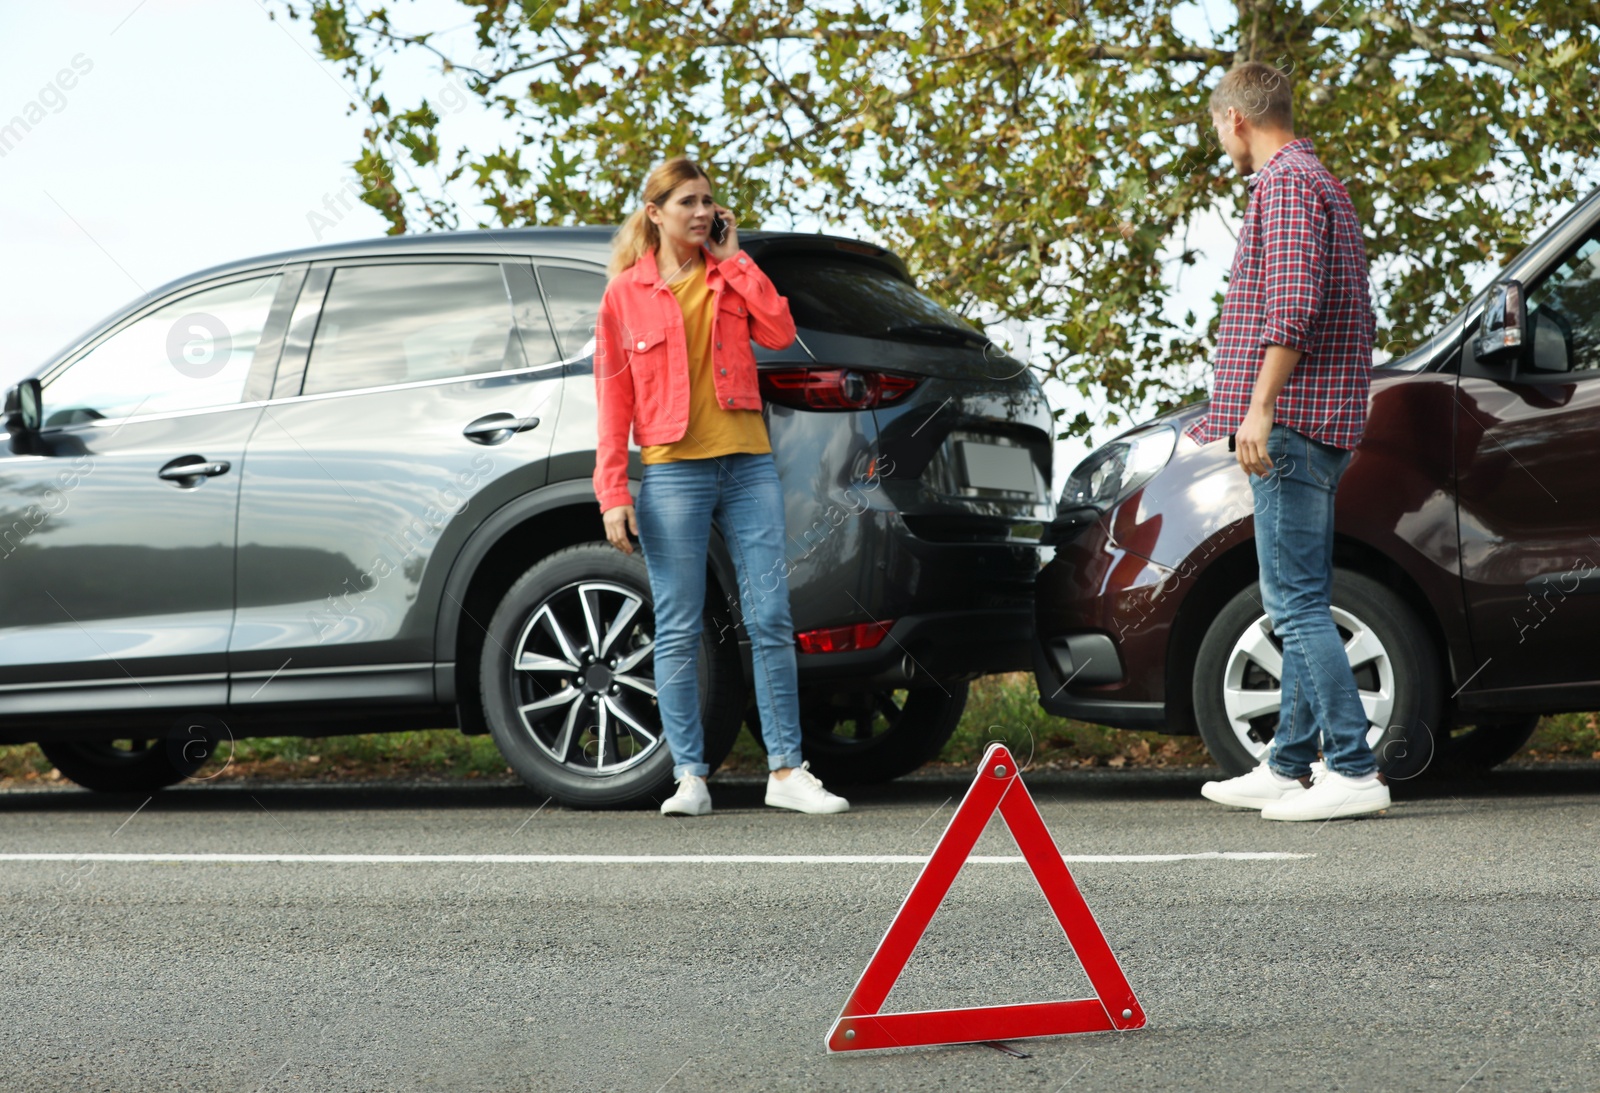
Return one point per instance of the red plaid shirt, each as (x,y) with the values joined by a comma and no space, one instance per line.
(1299,280)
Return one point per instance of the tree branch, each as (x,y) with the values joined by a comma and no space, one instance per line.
(1437,49)
(1219,57)
(788,91)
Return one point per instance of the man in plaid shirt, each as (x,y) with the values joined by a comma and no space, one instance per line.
(1293,364)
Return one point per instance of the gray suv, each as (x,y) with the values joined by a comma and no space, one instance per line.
(347,489)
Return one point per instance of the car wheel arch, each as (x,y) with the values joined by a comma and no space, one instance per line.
(1366,559)
(525,529)
(1235,568)
(1214,586)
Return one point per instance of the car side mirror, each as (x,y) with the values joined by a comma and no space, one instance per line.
(1503,332)
(22,413)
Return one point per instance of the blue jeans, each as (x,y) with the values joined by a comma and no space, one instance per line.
(1294,544)
(677,504)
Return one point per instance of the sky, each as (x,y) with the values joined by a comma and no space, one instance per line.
(168,136)
(196,133)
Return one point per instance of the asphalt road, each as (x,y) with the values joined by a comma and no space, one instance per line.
(1451,945)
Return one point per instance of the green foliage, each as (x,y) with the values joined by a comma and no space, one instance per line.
(432,751)
(1004,708)
(1033,159)
(1566,736)
(427,753)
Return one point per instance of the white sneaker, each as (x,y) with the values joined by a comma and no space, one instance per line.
(1257,789)
(692,798)
(1333,796)
(803,792)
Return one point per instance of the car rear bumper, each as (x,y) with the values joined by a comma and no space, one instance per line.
(929,647)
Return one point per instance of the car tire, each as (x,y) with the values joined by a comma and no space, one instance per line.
(1235,689)
(1478,748)
(863,737)
(143,766)
(595,739)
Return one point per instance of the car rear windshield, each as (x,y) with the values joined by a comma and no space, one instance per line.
(837,294)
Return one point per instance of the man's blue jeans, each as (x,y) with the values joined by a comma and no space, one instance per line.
(1294,544)
(677,504)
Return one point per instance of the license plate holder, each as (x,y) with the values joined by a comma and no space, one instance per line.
(996,467)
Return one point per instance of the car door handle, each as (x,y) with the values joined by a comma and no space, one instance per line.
(187,470)
(497,428)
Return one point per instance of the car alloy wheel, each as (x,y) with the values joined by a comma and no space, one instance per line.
(567,681)
(1236,677)
(582,672)
(1251,693)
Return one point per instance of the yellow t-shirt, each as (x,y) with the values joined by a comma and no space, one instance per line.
(713,430)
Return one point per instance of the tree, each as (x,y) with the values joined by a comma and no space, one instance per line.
(1037,159)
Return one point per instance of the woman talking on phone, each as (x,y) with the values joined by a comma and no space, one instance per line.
(673,363)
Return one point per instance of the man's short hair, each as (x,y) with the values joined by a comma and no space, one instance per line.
(1261,94)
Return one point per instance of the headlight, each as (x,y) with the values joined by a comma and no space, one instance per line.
(1115,470)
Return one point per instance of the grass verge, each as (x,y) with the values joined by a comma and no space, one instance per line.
(1002,707)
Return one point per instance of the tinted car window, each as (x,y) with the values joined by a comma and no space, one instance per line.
(837,295)
(1564,315)
(403,323)
(573,296)
(188,354)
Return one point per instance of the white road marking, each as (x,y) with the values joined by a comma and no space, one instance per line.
(633,859)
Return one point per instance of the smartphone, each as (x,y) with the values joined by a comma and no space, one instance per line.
(719,229)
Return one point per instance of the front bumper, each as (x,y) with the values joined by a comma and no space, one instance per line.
(1056,697)
(1103,622)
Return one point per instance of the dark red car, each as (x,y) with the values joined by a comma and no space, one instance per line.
(1467,581)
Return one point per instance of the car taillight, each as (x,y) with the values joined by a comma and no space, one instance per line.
(833,388)
(843,639)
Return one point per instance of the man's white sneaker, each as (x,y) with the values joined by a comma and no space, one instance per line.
(803,792)
(692,798)
(1257,789)
(1332,797)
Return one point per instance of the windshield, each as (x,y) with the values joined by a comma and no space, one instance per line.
(836,294)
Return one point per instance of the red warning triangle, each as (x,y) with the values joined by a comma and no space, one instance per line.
(997,786)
